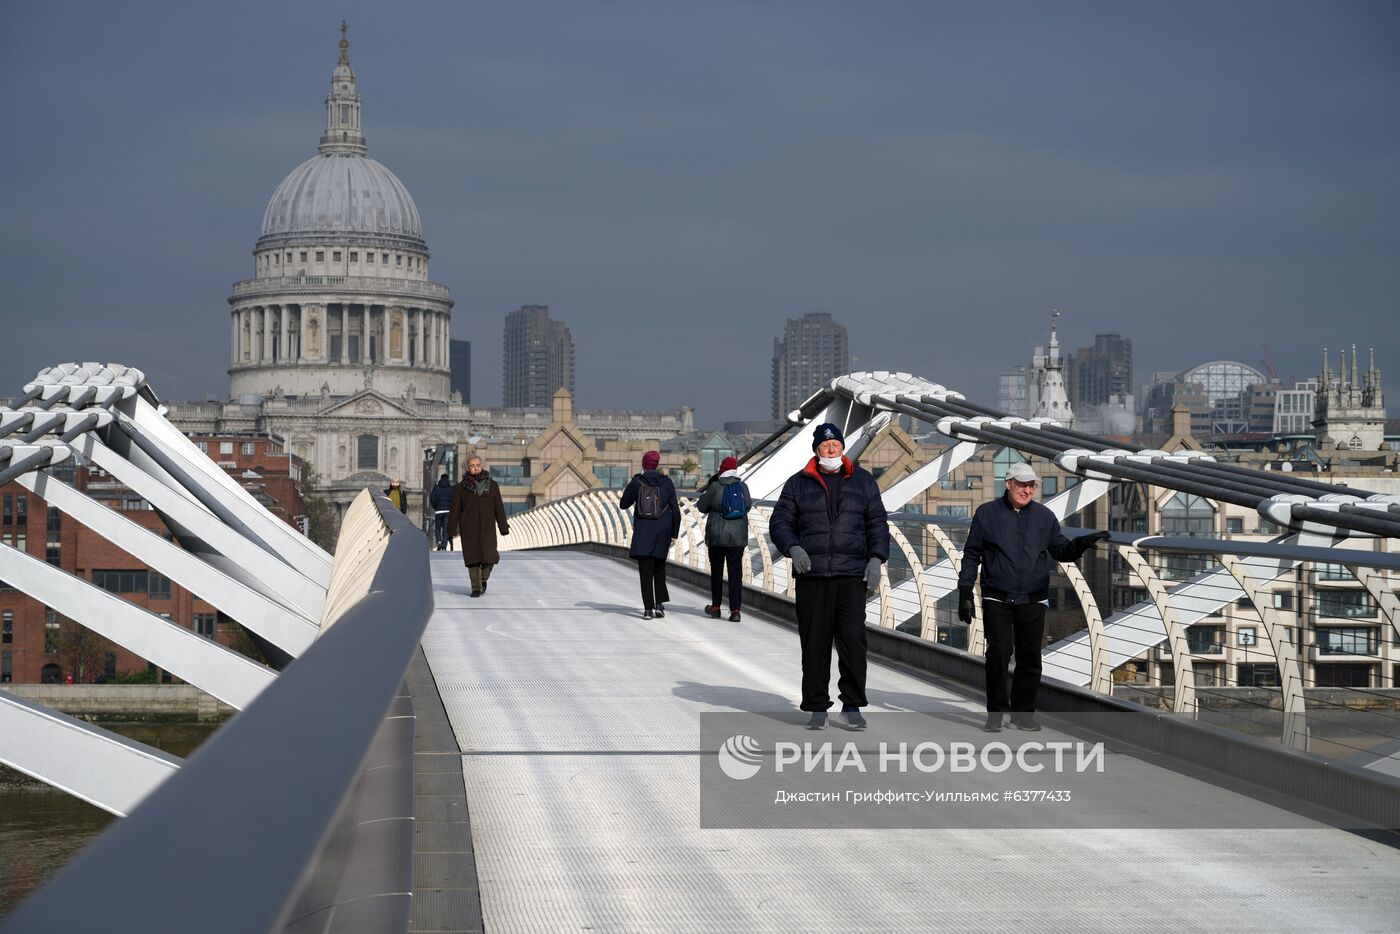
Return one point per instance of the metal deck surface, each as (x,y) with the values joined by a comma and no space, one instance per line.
(578,726)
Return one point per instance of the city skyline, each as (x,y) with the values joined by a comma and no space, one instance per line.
(1202,216)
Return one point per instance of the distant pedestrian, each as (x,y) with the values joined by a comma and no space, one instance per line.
(396,495)
(440,499)
(726,503)
(830,521)
(1008,541)
(656,523)
(475,514)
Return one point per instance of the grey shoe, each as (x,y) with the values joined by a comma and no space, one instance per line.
(854,719)
(646,614)
(1025,721)
(993,724)
(817,720)
(660,610)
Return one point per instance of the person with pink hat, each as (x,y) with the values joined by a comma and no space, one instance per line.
(656,523)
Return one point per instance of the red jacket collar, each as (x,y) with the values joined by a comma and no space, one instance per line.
(847,468)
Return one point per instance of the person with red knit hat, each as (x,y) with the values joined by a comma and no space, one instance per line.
(726,503)
(656,524)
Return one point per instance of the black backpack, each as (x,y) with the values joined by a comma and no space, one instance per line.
(650,504)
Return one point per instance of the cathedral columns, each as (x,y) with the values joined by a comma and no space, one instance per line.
(417,317)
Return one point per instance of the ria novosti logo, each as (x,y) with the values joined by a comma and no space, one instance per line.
(741,757)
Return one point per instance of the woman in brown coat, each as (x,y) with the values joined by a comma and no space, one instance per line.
(477,511)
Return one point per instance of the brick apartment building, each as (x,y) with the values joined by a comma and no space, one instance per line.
(38,645)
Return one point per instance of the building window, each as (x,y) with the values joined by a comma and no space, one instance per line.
(7,628)
(320,256)
(7,667)
(1328,571)
(398,259)
(203,446)
(159,586)
(1049,486)
(1283,600)
(369,257)
(1234,524)
(125,581)
(1246,636)
(354,256)
(225,447)
(205,624)
(8,517)
(21,509)
(53,549)
(1205,640)
(50,632)
(1345,604)
(303,256)
(1346,640)
(335,257)
(1186,514)
(367,452)
(249,447)
(53,519)
(384,258)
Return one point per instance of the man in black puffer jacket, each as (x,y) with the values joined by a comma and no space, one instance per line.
(1009,539)
(830,521)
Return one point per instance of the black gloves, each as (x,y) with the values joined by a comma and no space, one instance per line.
(965,609)
(1086,542)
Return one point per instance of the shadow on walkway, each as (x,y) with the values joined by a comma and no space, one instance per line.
(748,700)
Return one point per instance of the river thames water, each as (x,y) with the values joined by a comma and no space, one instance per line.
(42,829)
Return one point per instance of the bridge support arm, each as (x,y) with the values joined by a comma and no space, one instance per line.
(104,769)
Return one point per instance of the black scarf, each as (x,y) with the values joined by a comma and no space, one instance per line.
(477,483)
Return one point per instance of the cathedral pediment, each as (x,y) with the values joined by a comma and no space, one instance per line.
(367,404)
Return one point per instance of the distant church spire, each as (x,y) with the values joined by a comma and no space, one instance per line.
(1048,375)
(343,132)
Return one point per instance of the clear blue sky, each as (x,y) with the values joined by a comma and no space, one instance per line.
(1205,178)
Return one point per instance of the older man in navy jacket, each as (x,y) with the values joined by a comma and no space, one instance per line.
(1009,540)
(831,522)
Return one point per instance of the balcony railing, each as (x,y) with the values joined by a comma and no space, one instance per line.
(284,284)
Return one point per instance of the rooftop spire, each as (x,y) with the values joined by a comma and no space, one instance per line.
(343,132)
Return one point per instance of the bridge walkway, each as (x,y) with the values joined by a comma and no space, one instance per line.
(578,725)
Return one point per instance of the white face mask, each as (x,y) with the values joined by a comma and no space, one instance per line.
(829,463)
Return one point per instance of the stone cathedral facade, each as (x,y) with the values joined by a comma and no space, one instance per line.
(339,343)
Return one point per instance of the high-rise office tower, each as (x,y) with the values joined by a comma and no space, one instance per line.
(1100,374)
(539,358)
(812,352)
(459,356)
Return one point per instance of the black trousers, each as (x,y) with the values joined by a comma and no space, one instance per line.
(831,609)
(731,556)
(653,574)
(1019,628)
